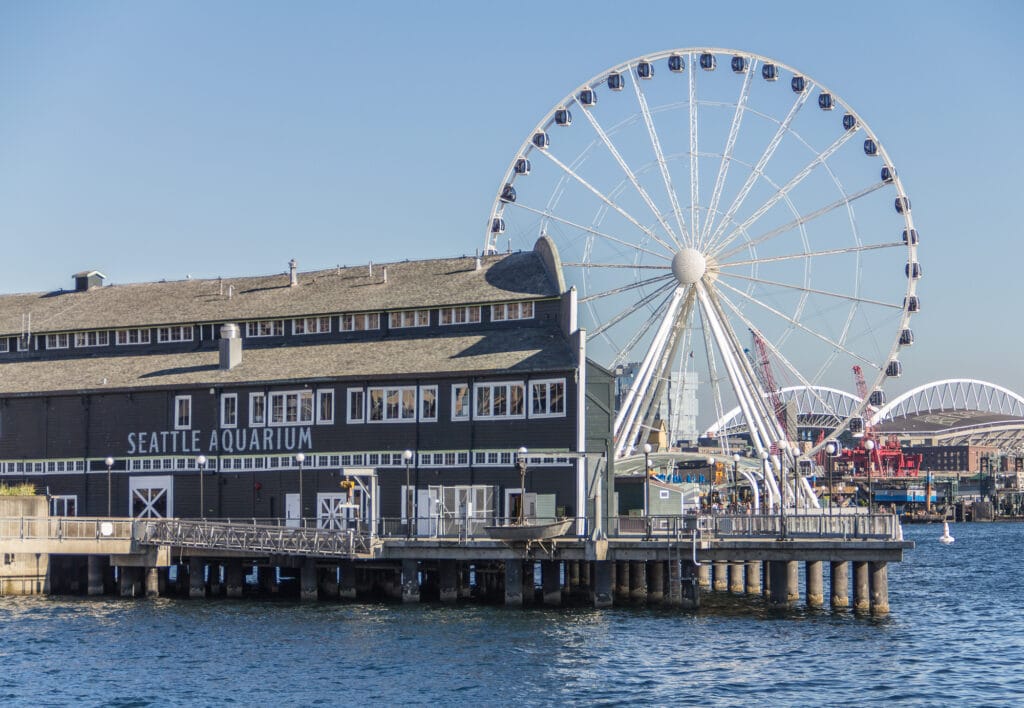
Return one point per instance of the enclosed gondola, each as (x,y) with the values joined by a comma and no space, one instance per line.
(902,204)
(913,270)
(849,121)
(508,193)
(912,303)
(825,102)
(588,98)
(563,117)
(910,236)
(739,64)
(894,369)
(906,338)
(645,70)
(497,225)
(888,174)
(541,139)
(522,166)
(769,72)
(870,147)
(877,398)
(798,84)
(676,63)
(708,61)
(615,81)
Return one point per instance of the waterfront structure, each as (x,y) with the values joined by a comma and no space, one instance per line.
(258,396)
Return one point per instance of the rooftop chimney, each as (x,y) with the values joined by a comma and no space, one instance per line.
(230,346)
(291,269)
(88,279)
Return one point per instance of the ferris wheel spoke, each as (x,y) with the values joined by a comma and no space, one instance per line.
(590,230)
(607,200)
(789,186)
(730,144)
(608,324)
(837,345)
(758,168)
(656,316)
(660,156)
(625,288)
(629,266)
(713,376)
(774,350)
(630,175)
(694,165)
(828,208)
(813,254)
(813,291)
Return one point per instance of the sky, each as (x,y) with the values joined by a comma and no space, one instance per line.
(161,140)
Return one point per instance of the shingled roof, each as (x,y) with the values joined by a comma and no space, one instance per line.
(511,351)
(409,284)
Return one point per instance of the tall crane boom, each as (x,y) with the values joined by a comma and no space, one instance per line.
(764,367)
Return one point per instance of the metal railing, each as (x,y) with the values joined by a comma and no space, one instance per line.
(806,526)
(57,528)
(254,538)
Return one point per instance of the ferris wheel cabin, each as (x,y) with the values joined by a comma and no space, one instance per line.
(676,64)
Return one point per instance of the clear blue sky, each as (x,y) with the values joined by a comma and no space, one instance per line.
(157,139)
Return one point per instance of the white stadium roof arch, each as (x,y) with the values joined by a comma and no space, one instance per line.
(950,395)
(818,406)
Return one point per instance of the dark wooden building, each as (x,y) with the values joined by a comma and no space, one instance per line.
(259,396)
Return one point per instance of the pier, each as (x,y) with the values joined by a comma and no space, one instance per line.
(661,560)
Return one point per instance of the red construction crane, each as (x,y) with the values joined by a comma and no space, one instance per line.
(768,381)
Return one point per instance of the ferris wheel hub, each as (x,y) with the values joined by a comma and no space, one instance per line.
(689,266)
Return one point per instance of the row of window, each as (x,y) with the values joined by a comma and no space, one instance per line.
(336,460)
(387,404)
(276,327)
(499,400)
(283,408)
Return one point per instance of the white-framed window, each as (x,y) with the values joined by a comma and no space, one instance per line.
(64,505)
(324,406)
(5,345)
(459,315)
(547,398)
(92,339)
(356,411)
(460,402)
(132,336)
(229,410)
(359,323)
(257,410)
(409,318)
(291,407)
(264,328)
(182,412)
(58,341)
(428,403)
(500,400)
(311,325)
(176,333)
(24,343)
(392,404)
(512,311)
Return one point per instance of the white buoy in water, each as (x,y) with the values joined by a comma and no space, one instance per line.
(945,537)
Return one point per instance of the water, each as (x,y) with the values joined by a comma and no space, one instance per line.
(955,635)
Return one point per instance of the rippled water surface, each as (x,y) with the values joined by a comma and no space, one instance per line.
(954,635)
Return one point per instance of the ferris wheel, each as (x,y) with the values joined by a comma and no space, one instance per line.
(727,219)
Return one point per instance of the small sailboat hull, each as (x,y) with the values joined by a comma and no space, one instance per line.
(529,532)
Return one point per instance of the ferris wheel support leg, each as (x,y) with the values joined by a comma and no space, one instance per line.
(627,416)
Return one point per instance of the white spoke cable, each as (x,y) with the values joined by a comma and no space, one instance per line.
(625,288)
(694,164)
(600,195)
(814,291)
(812,254)
(730,144)
(790,185)
(641,332)
(590,230)
(627,266)
(630,175)
(845,201)
(666,176)
(608,324)
(838,345)
(758,168)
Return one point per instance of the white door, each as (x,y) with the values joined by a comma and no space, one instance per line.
(291,510)
(333,511)
(428,511)
(151,497)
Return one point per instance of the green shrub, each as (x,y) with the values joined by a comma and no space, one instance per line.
(17,490)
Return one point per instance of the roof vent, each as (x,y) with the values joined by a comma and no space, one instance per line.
(230,346)
(88,279)
(292,265)
(385,274)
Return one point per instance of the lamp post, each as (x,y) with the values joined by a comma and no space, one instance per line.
(521,466)
(201,464)
(869,445)
(300,458)
(830,453)
(735,501)
(647,476)
(110,508)
(764,473)
(783,447)
(711,478)
(409,498)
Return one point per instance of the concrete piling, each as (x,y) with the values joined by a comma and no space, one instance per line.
(98,567)
(550,575)
(815,589)
(601,576)
(753,580)
(449,581)
(879,588)
(514,583)
(196,577)
(861,587)
(637,581)
(720,576)
(736,577)
(410,581)
(690,585)
(655,582)
(840,581)
(234,578)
